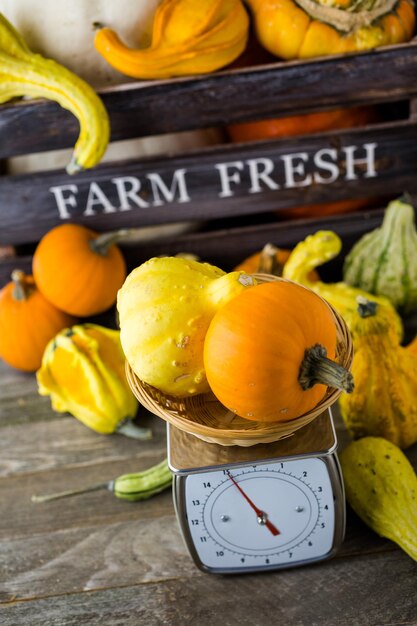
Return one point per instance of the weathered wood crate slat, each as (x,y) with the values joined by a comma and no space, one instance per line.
(232,181)
(272,90)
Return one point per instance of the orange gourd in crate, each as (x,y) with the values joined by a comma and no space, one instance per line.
(294,125)
(27,323)
(269,353)
(303,124)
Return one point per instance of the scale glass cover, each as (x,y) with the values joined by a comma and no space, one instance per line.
(262,507)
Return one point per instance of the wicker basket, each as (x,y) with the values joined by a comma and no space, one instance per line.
(205,417)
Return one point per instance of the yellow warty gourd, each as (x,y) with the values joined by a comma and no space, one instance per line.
(381,487)
(383,402)
(319,248)
(83,373)
(165,307)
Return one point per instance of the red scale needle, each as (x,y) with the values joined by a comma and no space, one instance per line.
(260,514)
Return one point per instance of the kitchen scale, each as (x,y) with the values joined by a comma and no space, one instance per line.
(262,507)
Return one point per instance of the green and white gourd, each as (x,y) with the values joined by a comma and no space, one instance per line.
(384,261)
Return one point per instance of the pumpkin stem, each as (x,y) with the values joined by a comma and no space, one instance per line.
(69,492)
(268,261)
(102,243)
(366,308)
(316,368)
(406,198)
(20,291)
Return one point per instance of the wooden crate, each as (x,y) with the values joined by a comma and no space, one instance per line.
(240,182)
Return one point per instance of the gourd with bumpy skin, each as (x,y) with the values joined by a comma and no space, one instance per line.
(381,487)
(383,402)
(320,248)
(384,261)
(188,37)
(269,353)
(24,73)
(83,373)
(292,29)
(165,307)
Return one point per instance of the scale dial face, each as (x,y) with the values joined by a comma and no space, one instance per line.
(260,516)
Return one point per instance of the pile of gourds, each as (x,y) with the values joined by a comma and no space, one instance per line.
(76,274)
(188,328)
(380,275)
(380,413)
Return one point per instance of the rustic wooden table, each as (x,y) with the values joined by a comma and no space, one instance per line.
(94,559)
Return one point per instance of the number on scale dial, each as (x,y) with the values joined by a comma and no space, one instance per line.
(268,514)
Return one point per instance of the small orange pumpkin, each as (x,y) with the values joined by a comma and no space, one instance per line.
(78,270)
(27,323)
(270,260)
(265,352)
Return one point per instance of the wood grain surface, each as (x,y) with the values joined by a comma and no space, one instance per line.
(226,246)
(94,559)
(35,209)
(140,109)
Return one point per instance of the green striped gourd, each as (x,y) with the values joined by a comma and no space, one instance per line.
(384,261)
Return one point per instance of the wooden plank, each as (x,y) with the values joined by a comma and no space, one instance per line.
(19,398)
(283,88)
(374,589)
(219,182)
(225,247)
(65,442)
(138,551)
(21,517)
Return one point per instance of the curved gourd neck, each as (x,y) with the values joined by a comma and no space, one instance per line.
(221,290)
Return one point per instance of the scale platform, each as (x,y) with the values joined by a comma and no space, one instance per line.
(187,453)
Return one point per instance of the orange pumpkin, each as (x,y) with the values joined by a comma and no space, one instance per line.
(27,323)
(265,352)
(78,270)
(270,260)
(304,124)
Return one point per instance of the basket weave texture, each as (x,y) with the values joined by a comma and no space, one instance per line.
(205,417)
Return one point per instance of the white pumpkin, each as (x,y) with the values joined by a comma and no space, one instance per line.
(64,31)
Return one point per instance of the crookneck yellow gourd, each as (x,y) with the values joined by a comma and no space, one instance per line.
(165,307)
(83,373)
(317,249)
(293,29)
(383,402)
(24,73)
(381,487)
(188,37)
